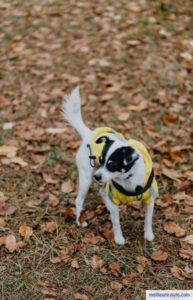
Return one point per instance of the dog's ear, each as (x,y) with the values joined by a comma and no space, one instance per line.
(103,139)
(127,155)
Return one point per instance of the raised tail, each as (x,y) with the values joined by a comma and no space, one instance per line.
(72,113)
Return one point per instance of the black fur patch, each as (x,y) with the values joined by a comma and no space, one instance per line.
(121,159)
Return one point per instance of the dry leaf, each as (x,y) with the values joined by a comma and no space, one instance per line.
(10,243)
(14,160)
(172,174)
(108,234)
(143,261)
(3,101)
(2,223)
(48,178)
(140,268)
(69,214)
(123,116)
(9,151)
(79,296)
(55,130)
(97,263)
(115,269)
(170,119)
(2,240)
(53,201)
(189,239)
(75,264)
(33,203)
(86,215)
(171,227)
(159,256)
(2,268)
(186,254)
(25,231)
(116,285)
(129,278)
(49,227)
(5,208)
(49,291)
(92,239)
(67,187)
(180,274)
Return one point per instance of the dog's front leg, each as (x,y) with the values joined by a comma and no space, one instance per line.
(148,232)
(114,212)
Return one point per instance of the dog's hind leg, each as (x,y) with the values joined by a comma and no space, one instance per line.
(115,219)
(85,178)
(148,232)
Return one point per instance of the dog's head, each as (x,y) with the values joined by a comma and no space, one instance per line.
(116,160)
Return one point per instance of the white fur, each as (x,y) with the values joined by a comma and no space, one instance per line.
(72,114)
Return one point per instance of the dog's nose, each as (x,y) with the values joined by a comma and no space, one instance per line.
(97,177)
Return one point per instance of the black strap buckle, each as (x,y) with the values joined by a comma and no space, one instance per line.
(91,157)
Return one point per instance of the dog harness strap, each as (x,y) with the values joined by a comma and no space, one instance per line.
(91,157)
(139,189)
(104,152)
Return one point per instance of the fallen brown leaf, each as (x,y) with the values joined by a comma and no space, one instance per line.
(143,261)
(92,239)
(171,227)
(5,208)
(14,160)
(189,239)
(67,187)
(180,274)
(172,174)
(159,256)
(10,243)
(115,269)
(186,253)
(80,296)
(140,268)
(53,201)
(69,214)
(75,264)
(49,227)
(49,291)
(123,116)
(2,222)
(2,240)
(116,285)
(97,263)
(129,278)
(9,151)
(170,119)
(25,231)
(48,178)
(86,215)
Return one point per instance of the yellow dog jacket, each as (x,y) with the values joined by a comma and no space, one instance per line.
(116,193)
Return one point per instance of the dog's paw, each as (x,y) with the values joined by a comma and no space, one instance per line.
(84,224)
(149,236)
(119,240)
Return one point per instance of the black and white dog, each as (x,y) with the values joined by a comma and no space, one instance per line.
(123,168)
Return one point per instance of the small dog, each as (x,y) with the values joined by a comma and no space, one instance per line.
(123,168)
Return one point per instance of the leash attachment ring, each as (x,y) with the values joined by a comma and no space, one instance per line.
(91,157)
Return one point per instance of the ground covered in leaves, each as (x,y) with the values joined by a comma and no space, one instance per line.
(133,61)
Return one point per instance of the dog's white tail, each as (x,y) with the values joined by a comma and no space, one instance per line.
(72,113)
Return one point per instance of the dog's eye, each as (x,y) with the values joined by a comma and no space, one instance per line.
(112,166)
